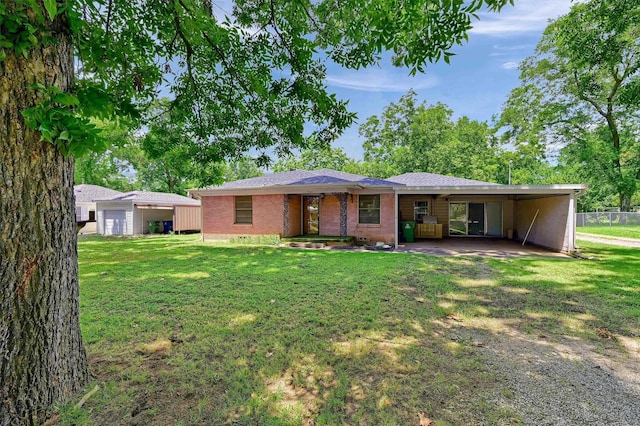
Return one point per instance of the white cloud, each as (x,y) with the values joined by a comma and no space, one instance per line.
(508,48)
(511,65)
(380,80)
(525,16)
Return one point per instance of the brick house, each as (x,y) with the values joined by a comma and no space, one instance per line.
(332,203)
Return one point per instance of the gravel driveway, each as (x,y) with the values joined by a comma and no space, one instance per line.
(563,380)
(617,241)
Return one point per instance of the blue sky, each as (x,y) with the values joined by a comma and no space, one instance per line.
(475,84)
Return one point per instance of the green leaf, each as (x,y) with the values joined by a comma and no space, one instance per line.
(52,8)
(66,99)
(38,86)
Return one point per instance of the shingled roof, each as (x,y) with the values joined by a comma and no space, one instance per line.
(143,197)
(89,193)
(303,177)
(433,180)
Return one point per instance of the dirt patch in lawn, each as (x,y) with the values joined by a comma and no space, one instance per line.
(152,393)
(301,390)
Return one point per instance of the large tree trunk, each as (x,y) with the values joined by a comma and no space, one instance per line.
(625,202)
(42,359)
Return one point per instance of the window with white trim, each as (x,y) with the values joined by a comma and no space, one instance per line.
(420,210)
(244,210)
(369,209)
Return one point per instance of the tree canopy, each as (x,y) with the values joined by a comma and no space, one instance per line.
(580,95)
(411,137)
(251,77)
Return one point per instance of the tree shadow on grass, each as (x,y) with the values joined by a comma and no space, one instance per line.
(563,332)
(198,334)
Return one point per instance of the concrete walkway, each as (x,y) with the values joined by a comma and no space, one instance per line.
(485,247)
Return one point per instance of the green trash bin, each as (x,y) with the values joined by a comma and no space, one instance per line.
(153,227)
(408,230)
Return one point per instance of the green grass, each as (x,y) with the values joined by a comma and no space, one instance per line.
(614,231)
(183,332)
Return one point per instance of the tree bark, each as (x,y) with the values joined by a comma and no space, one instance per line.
(42,359)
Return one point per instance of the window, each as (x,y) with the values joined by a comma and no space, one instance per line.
(420,210)
(369,209)
(244,210)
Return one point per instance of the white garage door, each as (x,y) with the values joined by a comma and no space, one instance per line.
(115,222)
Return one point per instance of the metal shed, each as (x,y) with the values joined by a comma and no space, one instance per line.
(143,212)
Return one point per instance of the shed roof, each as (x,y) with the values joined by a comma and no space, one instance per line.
(149,197)
(85,193)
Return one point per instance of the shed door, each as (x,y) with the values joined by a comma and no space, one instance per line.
(115,222)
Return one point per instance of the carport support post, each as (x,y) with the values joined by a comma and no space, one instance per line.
(571,218)
(396,207)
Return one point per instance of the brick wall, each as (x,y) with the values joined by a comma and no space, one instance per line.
(268,217)
(551,228)
(219,216)
(330,215)
(384,232)
(295,219)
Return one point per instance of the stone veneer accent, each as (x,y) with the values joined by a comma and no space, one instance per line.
(285,224)
(342,197)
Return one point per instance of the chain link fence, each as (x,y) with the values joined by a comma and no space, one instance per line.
(607,219)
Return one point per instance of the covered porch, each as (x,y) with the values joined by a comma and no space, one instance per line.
(483,247)
(544,216)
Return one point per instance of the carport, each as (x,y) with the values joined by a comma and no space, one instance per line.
(543,215)
(483,247)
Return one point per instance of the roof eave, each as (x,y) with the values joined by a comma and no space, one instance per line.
(494,189)
(294,189)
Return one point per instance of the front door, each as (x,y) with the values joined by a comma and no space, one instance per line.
(476,219)
(311,215)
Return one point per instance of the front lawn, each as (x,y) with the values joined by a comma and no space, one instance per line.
(183,332)
(613,231)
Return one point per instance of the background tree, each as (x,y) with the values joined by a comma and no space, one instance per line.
(526,166)
(111,168)
(314,156)
(168,159)
(425,138)
(241,168)
(249,80)
(581,91)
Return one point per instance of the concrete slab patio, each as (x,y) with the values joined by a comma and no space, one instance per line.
(485,247)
